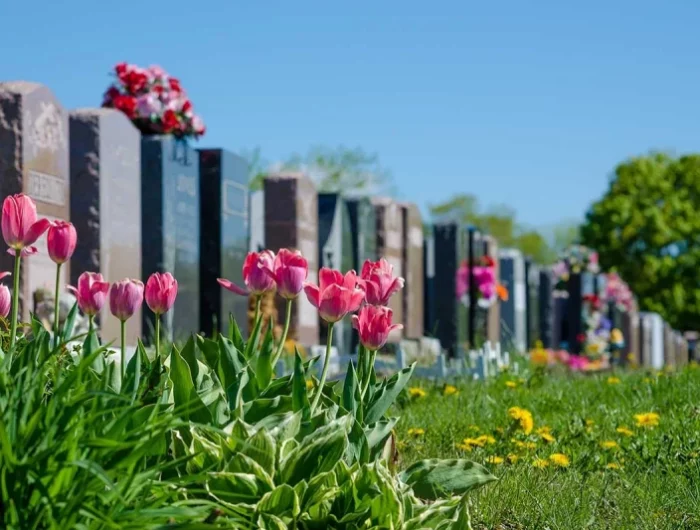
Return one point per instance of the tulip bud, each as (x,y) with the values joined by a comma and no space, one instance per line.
(373,324)
(288,271)
(20,227)
(61,240)
(254,276)
(125,298)
(379,281)
(336,295)
(91,292)
(160,292)
(5,301)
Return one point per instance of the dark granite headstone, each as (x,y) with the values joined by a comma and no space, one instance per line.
(493,319)
(574,306)
(450,325)
(170,226)
(34,161)
(390,247)
(291,221)
(363,230)
(513,315)
(429,320)
(223,187)
(545,301)
(412,231)
(335,252)
(532,303)
(105,202)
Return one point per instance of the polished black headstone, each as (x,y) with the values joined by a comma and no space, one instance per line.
(429,319)
(363,230)
(546,309)
(574,306)
(223,238)
(532,303)
(170,226)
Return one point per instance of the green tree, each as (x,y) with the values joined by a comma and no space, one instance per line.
(647,227)
(257,168)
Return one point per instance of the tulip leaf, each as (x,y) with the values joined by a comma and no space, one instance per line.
(349,390)
(234,333)
(187,402)
(133,371)
(210,349)
(282,501)
(69,323)
(377,433)
(263,369)
(254,339)
(300,398)
(189,355)
(435,479)
(358,446)
(91,345)
(229,363)
(387,394)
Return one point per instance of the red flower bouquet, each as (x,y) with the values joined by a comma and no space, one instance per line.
(153,100)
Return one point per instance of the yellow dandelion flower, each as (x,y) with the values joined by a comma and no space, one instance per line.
(400,444)
(625,431)
(548,438)
(511,384)
(309,384)
(560,460)
(474,428)
(613,380)
(539,356)
(512,458)
(494,460)
(499,430)
(613,465)
(544,430)
(529,446)
(479,441)
(540,463)
(416,431)
(609,444)
(523,417)
(450,390)
(647,419)
(694,454)
(590,423)
(416,392)
(463,447)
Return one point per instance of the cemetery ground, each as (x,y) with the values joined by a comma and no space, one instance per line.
(615,450)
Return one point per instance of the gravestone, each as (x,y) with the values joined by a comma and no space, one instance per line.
(532,307)
(34,161)
(363,230)
(450,325)
(653,340)
(412,293)
(256,221)
(669,346)
(170,227)
(573,316)
(429,319)
(493,319)
(476,316)
(545,302)
(223,188)
(513,316)
(105,204)
(390,247)
(335,252)
(630,333)
(291,221)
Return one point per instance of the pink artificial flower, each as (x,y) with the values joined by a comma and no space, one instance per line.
(160,292)
(148,105)
(125,298)
(20,227)
(577,362)
(373,324)
(61,241)
(377,278)
(462,280)
(336,295)
(289,271)
(254,276)
(91,292)
(5,301)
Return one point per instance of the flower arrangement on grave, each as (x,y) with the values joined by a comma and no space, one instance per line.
(617,293)
(154,101)
(574,260)
(596,337)
(487,288)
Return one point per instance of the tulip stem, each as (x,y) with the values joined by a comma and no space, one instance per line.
(324,373)
(56,305)
(15,298)
(157,336)
(368,375)
(91,320)
(123,363)
(287,320)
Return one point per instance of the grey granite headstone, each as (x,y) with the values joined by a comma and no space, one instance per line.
(34,161)
(412,258)
(105,177)
(513,315)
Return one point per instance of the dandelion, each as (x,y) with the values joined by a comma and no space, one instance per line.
(309,384)
(560,460)
(609,444)
(474,428)
(647,419)
(528,446)
(479,441)
(539,356)
(450,390)
(512,458)
(540,463)
(613,465)
(416,431)
(589,425)
(613,380)
(625,431)
(463,447)
(511,384)
(523,417)
(494,460)
(548,438)
(499,430)
(416,392)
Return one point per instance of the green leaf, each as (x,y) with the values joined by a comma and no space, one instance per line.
(69,323)
(234,333)
(378,432)
(385,397)
(189,355)
(349,390)
(187,402)
(258,409)
(434,479)
(230,364)
(254,339)
(300,398)
(263,370)
(281,501)
(210,349)
(91,345)
(133,371)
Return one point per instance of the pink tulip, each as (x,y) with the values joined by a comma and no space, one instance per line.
(373,324)
(289,271)
(5,301)
(20,227)
(91,292)
(125,298)
(254,275)
(379,282)
(161,290)
(61,240)
(336,295)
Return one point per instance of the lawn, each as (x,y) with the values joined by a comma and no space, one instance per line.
(618,470)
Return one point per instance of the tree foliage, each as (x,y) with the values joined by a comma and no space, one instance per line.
(647,227)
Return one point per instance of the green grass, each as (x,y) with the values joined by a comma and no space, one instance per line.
(657,485)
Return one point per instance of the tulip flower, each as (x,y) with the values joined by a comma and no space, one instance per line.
(289,271)
(61,240)
(5,301)
(379,281)
(160,293)
(335,296)
(256,279)
(20,229)
(91,293)
(125,298)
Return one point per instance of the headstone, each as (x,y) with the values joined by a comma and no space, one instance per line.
(256,221)
(574,308)
(653,335)
(291,221)
(513,317)
(335,252)
(630,333)
(476,319)
(390,247)
(412,230)
(545,300)
(223,188)
(363,229)
(669,346)
(429,319)
(34,161)
(450,325)
(170,227)
(105,203)
(493,320)
(682,348)
(560,328)
(532,301)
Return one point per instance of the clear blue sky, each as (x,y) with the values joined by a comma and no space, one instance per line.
(530,105)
